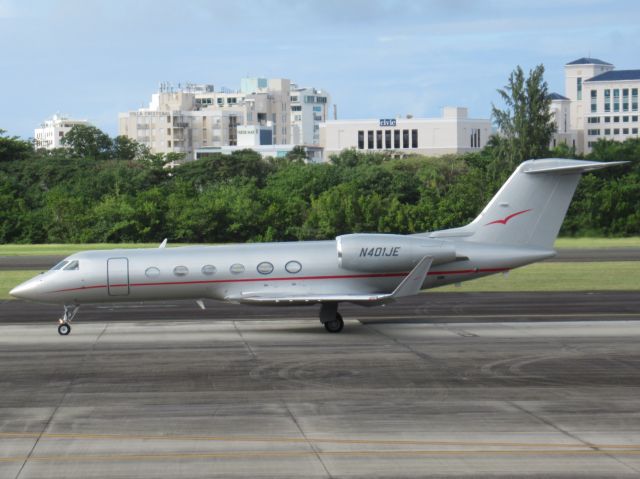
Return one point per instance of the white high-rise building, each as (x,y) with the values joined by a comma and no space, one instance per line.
(603,103)
(186,119)
(309,108)
(50,134)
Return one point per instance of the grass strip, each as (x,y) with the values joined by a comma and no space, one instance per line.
(596,276)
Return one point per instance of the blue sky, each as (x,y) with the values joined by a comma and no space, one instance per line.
(92,59)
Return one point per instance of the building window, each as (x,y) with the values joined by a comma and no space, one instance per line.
(634,118)
(396,138)
(361,140)
(625,119)
(634,131)
(616,131)
(579,86)
(634,99)
(593,119)
(593,132)
(387,139)
(625,131)
(607,119)
(607,131)
(625,99)
(379,140)
(370,140)
(414,138)
(616,119)
(607,100)
(296,107)
(405,138)
(616,99)
(594,101)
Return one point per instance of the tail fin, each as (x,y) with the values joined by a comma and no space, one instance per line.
(529,208)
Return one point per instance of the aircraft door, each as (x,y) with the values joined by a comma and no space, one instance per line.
(118,276)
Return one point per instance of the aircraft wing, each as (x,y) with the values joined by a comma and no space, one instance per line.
(410,285)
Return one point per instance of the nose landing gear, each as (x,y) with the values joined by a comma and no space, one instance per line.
(70,311)
(330,318)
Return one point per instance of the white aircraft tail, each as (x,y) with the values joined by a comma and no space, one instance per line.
(529,208)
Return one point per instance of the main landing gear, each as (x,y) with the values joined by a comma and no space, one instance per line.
(70,312)
(330,317)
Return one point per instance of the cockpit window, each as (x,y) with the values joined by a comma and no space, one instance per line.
(60,265)
(74,265)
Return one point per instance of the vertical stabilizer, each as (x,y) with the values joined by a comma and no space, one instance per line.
(530,207)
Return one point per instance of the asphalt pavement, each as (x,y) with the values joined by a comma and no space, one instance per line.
(130,395)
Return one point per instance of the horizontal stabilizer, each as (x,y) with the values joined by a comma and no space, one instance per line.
(579,167)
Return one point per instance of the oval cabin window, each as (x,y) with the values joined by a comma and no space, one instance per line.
(265,268)
(293,267)
(152,272)
(237,268)
(208,269)
(180,270)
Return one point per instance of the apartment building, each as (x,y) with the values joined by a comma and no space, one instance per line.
(50,134)
(195,116)
(309,109)
(453,133)
(603,103)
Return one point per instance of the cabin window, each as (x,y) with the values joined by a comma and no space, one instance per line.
(208,269)
(152,272)
(181,271)
(293,267)
(265,268)
(60,265)
(72,266)
(237,268)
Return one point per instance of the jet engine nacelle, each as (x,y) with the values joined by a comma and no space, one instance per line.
(386,252)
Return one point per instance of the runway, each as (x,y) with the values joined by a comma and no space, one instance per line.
(446,384)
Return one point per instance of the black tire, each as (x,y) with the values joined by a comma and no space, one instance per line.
(336,325)
(64,329)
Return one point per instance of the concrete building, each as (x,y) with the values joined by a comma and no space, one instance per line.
(309,109)
(454,133)
(197,116)
(51,132)
(561,109)
(603,103)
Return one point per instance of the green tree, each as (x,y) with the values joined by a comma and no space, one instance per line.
(526,123)
(88,142)
(13,148)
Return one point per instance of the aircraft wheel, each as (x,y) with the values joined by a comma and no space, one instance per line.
(64,329)
(336,325)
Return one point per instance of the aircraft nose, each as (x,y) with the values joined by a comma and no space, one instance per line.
(25,290)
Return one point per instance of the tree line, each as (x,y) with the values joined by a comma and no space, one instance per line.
(127,195)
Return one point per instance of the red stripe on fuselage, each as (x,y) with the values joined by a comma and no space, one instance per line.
(292,278)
